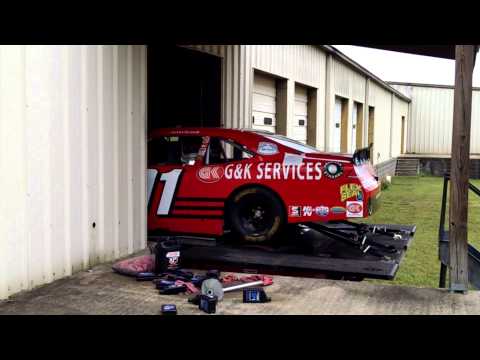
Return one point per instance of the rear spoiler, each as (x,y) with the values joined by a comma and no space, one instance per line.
(362,156)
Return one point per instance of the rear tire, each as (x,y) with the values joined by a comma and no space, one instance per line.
(256,215)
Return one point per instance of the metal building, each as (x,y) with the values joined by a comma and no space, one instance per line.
(314,94)
(430,131)
(74,122)
(72,159)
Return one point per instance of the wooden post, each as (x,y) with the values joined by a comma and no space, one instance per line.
(462,112)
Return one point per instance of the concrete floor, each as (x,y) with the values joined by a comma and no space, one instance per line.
(100,291)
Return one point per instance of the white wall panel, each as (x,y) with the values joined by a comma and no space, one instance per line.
(381,99)
(430,126)
(400,109)
(348,83)
(72,137)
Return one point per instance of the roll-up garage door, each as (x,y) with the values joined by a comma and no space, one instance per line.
(301,110)
(264,102)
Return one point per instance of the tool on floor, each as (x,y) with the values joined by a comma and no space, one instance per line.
(162,283)
(173,289)
(167,256)
(146,276)
(208,303)
(197,280)
(169,309)
(214,286)
(255,295)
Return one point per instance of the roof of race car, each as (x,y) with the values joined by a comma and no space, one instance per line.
(208,131)
(248,137)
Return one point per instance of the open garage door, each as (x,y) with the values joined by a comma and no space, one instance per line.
(264,102)
(184,87)
(301,114)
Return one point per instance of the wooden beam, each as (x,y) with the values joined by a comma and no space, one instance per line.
(460,164)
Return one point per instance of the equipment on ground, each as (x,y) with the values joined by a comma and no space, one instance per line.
(208,303)
(214,287)
(255,295)
(169,309)
(173,289)
(167,256)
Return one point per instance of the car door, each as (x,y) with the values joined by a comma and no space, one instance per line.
(173,165)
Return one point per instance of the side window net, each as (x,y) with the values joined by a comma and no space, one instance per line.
(222,151)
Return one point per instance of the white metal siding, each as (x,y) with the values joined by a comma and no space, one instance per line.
(381,99)
(72,135)
(348,83)
(301,63)
(400,109)
(430,127)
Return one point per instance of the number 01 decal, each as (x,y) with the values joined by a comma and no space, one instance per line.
(171,180)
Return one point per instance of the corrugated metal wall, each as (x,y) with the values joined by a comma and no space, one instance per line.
(400,108)
(348,83)
(430,128)
(72,137)
(381,99)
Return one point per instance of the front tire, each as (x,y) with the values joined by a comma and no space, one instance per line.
(256,215)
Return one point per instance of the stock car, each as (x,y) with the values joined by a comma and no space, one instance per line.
(206,181)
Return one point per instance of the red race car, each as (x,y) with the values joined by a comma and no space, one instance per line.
(204,181)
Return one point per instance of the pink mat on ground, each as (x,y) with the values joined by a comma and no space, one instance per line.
(133,266)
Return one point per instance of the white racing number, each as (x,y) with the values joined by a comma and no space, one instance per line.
(171,180)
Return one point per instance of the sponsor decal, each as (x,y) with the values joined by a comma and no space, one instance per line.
(348,191)
(337,210)
(333,170)
(266,148)
(294,211)
(292,159)
(173,257)
(273,171)
(210,174)
(307,210)
(321,210)
(354,209)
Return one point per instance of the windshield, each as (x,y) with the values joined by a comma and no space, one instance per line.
(292,144)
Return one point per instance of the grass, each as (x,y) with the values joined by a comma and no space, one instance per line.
(417,200)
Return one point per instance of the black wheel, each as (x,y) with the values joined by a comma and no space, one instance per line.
(256,215)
